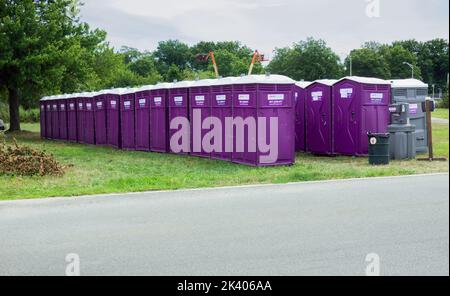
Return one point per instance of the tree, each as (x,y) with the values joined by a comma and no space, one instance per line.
(369,63)
(172,52)
(43,47)
(309,60)
(396,56)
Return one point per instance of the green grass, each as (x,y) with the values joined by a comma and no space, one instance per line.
(96,170)
(441,113)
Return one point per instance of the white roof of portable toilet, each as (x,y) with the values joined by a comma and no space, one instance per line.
(181,84)
(365,80)
(408,83)
(329,82)
(264,79)
(224,81)
(303,84)
(163,85)
(146,87)
(202,83)
(128,91)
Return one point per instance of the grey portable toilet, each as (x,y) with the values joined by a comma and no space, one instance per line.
(414,92)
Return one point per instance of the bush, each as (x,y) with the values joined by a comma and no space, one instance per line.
(26,116)
(25,161)
(444,102)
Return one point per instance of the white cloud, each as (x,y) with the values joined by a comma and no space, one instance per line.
(266,24)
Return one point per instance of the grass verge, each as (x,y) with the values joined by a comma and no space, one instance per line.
(98,170)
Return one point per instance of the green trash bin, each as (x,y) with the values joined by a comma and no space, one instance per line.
(379,149)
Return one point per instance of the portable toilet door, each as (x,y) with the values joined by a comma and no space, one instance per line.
(42,118)
(142,118)
(72,118)
(319,117)
(179,108)
(159,124)
(221,108)
(48,117)
(80,118)
(244,115)
(360,106)
(62,109)
(113,134)
(415,93)
(200,115)
(300,115)
(100,119)
(276,114)
(127,113)
(89,119)
(55,118)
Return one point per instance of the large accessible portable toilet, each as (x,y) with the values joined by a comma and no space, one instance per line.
(159,112)
(360,107)
(42,117)
(55,117)
(258,99)
(221,108)
(72,118)
(414,92)
(114,136)
(179,107)
(142,118)
(200,114)
(300,115)
(89,119)
(127,122)
(319,117)
(100,104)
(80,117)
(62,109)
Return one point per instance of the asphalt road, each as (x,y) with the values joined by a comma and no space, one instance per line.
(318,228)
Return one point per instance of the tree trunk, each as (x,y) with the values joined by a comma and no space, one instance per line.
(14,119)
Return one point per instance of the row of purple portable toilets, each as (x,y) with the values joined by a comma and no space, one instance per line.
(139,119)
(323,117)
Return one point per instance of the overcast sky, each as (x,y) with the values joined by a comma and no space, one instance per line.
(267,24)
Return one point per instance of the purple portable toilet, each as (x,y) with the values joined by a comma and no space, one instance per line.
(80,117)
(89,119)
(100,118)
(259,99)
(127,113)
(142,118)
(48,117)
(55,117)
(42,117)
(62,109)
(300,115)
(114,137)
(72,118)
(179,107)
(159,122)
(200,103)
(319,117)
(360,106)
(221,108)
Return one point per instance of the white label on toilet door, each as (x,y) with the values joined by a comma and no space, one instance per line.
(142,102)
(221,100)
(317,96)
(99,105)
(346,93)
(376,96)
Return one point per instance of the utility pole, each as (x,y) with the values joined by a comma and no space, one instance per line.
(412,68)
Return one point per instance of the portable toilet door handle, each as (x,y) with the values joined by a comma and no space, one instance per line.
(324,119)
(353,116)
